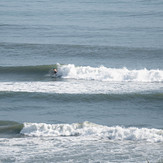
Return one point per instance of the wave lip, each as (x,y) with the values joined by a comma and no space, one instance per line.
(88,129)
(110,74)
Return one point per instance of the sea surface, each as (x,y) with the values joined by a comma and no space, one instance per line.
(105,104)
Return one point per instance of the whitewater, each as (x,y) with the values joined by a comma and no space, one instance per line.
(36,139)
(88,129)
(110,74)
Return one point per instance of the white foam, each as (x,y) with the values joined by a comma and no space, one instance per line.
(87,129)
(110,74)
(80,87)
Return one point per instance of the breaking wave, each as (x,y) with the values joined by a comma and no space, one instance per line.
(101,73)
(88,129)
(110,74)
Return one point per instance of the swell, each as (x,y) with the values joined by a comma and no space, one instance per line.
(96,47)
(64,98)
(73,50)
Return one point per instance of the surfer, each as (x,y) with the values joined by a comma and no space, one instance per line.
(55,70)
(54,73)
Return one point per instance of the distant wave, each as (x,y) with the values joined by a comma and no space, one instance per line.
(88,129)
(110,74)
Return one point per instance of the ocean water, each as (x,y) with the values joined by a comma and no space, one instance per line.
(106,102)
